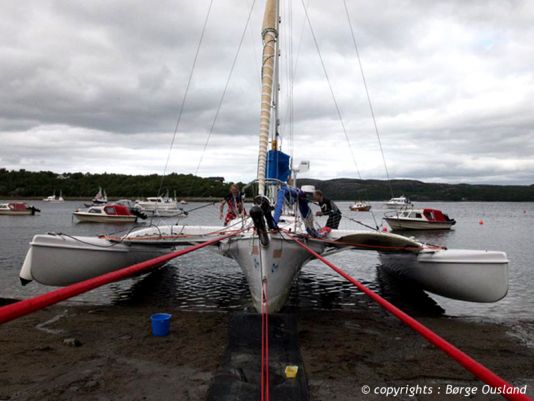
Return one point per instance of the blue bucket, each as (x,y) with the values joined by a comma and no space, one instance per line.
(161,323)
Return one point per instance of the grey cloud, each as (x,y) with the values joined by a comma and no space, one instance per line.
(91,84)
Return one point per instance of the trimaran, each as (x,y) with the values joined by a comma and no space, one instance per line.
(270,258)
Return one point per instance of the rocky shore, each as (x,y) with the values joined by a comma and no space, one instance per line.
(70,352)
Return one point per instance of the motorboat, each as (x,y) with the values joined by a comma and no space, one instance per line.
(55,199)
(159,206)
(419,219)
(398,203)
(144,213)
(17,209)
(158,203)
(183,202)
(360,207)
(110,213)
(179,212)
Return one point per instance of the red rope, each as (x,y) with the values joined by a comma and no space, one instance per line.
(262,378)
(27,306)
(264,343)
(462,358)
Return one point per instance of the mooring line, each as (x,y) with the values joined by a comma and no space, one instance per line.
(27,306)
(483,373)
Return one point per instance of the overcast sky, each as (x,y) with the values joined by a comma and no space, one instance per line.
(96,86)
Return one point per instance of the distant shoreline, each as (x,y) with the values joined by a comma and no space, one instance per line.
(29,185)
(249,200)
(110,198)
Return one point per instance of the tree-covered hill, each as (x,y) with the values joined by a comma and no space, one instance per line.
(22,183)
(353,189)
(79,185)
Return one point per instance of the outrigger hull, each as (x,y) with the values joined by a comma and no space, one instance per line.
(467,275)
(59,260)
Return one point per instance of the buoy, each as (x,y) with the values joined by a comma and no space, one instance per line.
(481,222)
(385,229)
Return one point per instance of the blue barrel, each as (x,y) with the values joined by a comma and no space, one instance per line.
(161,323)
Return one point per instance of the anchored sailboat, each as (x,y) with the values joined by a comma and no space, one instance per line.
(262,243)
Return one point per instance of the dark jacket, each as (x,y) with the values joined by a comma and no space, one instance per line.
(329,208)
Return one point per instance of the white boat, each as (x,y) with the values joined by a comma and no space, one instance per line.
(17,209)
(101,198)
(360,207)
(398,203)
(111,214)
(264,247)
(167,212)
(158,203)
(419,219)
(54,199)
(466,275)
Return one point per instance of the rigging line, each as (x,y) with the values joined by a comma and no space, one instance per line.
(300,39)
(291,79)
(286,35)
(291,72)
(371,108)
(331,89)
(221,100)
(293,62)
(186,92)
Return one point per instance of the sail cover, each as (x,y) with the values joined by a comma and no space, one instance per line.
(278,165)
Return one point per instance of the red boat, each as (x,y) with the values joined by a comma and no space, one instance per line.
(17,209)
(111,213)
(419,219)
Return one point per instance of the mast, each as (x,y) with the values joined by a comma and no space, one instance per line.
(268,82)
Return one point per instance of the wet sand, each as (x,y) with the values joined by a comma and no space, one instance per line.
(118,359)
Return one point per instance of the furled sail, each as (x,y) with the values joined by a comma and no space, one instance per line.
(269,36)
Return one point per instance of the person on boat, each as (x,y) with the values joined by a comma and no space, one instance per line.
(328,208)
(234,203)
(291,196)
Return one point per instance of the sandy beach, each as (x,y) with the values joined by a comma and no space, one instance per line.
(72,352)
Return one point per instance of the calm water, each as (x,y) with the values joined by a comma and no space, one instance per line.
(206,281)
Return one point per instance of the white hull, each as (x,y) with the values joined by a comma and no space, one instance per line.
(60,260)
(398,205)
(165,212)
(406,224)
(99,218)
(360,208)
(159,206)
(467,275)
(282,260)
(16,213)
